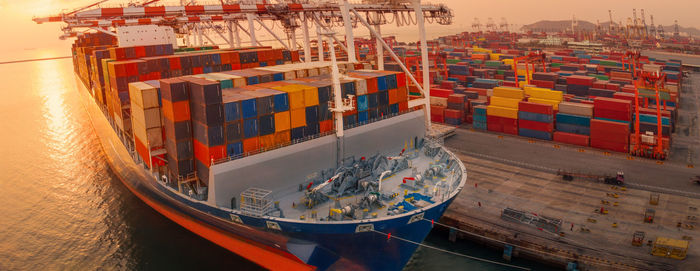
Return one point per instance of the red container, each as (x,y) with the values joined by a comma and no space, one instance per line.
(535,125)
(612,114)
(205,153)
(400,79)
(535,108)
(447,84)
(610,131)
(574,139)
(481,91)
(542,84)
(612,104)
(454,114)
(502,125)
(325,126)
(142,150)
(614,87)
(403,106)
(580,80)
(608,145)
(599,84)
(509,84)
(456,98)
(438,92)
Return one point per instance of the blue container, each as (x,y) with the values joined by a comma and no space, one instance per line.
(391,81)
(235,148)
(362,103)
(393,108)
(373,100)
(362,116)
(535,134)
(234,131)
(281,102)
(348,89)
(620,121)
(481,118)
(574,129)
(253,80)
(232,111)
(249,108)
(297,133)
(278,77)
(381,83)
(262,64)
(250,128)
(349,120)
(311,115)
(479,125)
(573,119)
(652,119)
(310,130)
(480,111)
(323,112)
(267,124)
(324,94)
(535,117)
(209,135)
(452,121)
(216,59)
(383,98)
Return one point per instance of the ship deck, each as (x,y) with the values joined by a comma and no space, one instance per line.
(391,184)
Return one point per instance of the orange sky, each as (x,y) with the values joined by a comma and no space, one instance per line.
(19,33)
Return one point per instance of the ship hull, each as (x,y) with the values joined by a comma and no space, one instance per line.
(294,246)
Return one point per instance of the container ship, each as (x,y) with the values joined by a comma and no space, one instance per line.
(290,164)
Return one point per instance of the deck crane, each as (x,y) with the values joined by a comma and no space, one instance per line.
(645,145)
(652,28)
(530,59)
(644,29)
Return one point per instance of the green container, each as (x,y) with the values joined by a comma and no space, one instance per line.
(452,61)
(601,77)
(501,72)
(557,64)
(493,63)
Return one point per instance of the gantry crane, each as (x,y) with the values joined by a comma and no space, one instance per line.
(529,59)
(649,148)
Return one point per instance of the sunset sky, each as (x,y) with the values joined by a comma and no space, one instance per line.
(21,35)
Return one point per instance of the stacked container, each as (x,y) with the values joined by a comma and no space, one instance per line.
(573,123)
(208,124)
(612,119)
(502,112)
(479,118)
(146,121)
(454,114)
(178,126)
(544,96)
(535,120)
(579,85)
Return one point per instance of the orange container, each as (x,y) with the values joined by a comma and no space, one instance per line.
(177,111)
(267,141)
(393,96)
(282,137)
(372,85)
(143,152)
(325,126)
(282,121)
(251,144)
(298,117)
(402,95)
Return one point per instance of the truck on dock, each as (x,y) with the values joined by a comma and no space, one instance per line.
(617,179)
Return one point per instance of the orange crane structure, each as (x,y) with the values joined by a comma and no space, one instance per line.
(645,145)
(530,59)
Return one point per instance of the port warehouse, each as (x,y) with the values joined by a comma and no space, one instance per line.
(583,98)
(188,108)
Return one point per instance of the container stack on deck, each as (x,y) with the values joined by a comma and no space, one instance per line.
(175,97)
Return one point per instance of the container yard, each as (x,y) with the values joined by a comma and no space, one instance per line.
(326,153)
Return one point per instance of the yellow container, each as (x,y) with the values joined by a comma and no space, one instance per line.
(505,112)
(298,117)
(508,61)
(554,103)
(508,92)
(496,56)
(544,93)
(282,121)
(310,96)
(505,102)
